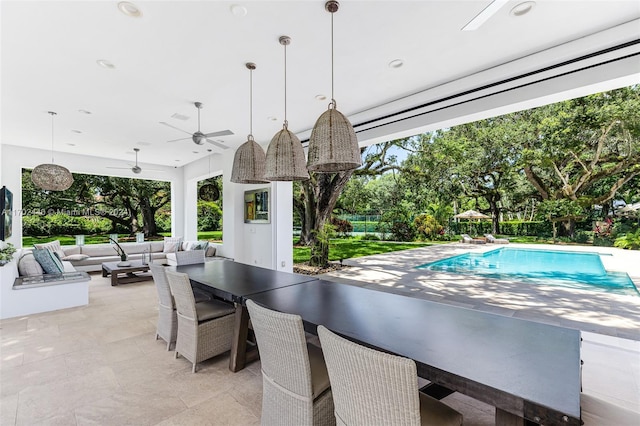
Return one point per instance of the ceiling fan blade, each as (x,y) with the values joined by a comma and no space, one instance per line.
(178,140)
(220,133)
(174,127)
(218,144)
(119,168)
(153,170)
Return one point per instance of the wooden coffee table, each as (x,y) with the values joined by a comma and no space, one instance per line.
(129,271)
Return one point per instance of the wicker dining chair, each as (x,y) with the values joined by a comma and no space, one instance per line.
(375,388)
(193,257)
(167,327)
(205,329)
(295,383)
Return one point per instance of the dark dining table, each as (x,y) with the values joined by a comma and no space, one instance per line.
(234,282)
(529,371)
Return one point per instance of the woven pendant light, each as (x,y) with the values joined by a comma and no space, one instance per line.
(333,146)
(51,177)
(249,160)
(285,155)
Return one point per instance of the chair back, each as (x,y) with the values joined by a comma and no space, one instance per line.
(162,286)
(283,349)
(370,387)
(189,257)
(182,294)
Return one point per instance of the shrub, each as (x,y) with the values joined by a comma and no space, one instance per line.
(209,216)
(629,241)
(402,231)
(427,227)
(63,224)
(521,228)
(603,241)
(582,237)
(370,237)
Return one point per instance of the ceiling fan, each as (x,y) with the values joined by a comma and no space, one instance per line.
(198,137)
(135,169)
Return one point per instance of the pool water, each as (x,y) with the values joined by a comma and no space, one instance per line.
(576,269)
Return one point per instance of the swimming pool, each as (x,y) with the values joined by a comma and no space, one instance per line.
(576,269)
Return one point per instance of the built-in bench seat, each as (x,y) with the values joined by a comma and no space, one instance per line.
(26,295)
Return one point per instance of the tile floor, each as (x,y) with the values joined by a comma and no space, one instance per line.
(100,365)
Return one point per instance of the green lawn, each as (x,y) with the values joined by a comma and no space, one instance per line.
(210,236)
(351,247)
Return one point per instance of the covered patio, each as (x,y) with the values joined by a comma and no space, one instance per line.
(124,77)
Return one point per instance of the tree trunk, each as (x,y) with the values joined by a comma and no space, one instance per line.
(568,228)
(148,217)
(321,193)
(495,212)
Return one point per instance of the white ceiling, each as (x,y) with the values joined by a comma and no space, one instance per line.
(180,52)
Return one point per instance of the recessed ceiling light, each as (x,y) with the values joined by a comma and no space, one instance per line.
(522,8)
(238,10)
(272,118)
(195,152)
(76,131)
(105,64)
(177,161)
(129,9)
(71,144)
(321,97)
(84,111)
(396,63)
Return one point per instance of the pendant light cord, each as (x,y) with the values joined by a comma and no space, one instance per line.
(333,101)
(52,115)
(286,123)
(251,103)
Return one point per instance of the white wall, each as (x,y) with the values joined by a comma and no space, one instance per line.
(266,245)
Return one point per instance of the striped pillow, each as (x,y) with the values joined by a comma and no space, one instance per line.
(50,263)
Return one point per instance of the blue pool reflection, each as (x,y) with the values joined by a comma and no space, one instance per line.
(575,269)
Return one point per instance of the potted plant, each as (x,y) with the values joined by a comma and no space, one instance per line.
(119,250)
(6,252)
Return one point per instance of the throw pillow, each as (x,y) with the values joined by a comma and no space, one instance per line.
(211,251)
(54,246)
(172,244)
(49,261)
(29,266)
(198,245)
(76,257)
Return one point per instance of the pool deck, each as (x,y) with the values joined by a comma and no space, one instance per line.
(594,311)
